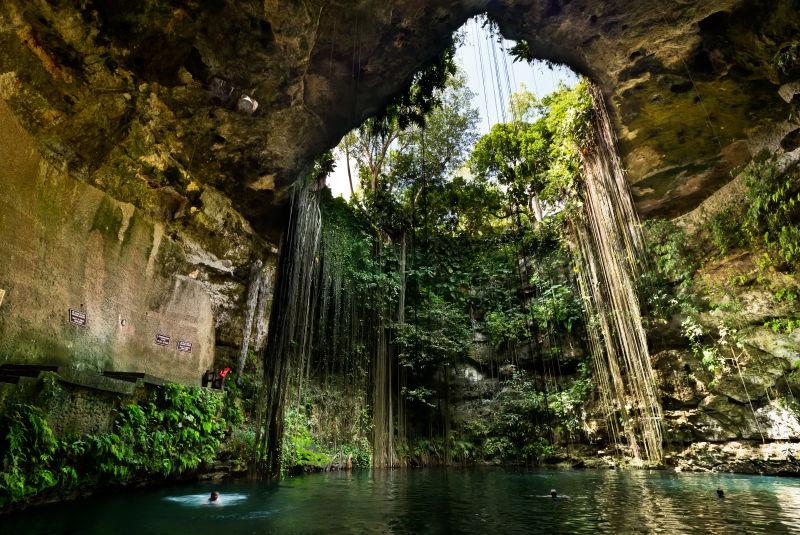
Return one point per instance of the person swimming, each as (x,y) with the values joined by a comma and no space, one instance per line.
(720,492)
(554,495)
(214,498)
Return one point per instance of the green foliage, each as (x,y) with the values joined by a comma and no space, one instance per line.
(558,307)
(323,166)
(568,403)
(708,350)
(793,377)
(398,167)
(568,115)
(240,444)
(302,452)
(725,230)
(773,211)
(515,432)
(28,450)
(667,245)
(769,218)
(422,451)
(440,335)
(421,395)
(665,285)
(359,453)
(784,325)
(175,430)
(469,238)
(506,327)
(539,158)
(233,408)
(785,294)
(515,155)
(299,450)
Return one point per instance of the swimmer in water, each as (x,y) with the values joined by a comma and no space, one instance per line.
(214,498)
(554,495)
(720,492)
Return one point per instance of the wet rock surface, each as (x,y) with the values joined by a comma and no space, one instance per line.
(776,458)
(743,417)
(155,101)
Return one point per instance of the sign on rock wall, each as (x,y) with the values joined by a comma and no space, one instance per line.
(76,317)
(106,262)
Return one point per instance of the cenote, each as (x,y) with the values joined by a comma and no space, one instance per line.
(399,266)
(491,500)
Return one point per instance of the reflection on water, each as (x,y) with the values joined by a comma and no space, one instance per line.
(441,501)
(201,500)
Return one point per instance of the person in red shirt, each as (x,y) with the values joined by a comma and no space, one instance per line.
(219,380)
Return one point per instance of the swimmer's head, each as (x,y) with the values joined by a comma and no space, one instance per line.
(553,493)
(214,496)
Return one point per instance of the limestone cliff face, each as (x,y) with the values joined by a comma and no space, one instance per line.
(695,85)
(142,99)
(150,103)
(68,246)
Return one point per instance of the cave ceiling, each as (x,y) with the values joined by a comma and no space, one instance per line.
(143,99)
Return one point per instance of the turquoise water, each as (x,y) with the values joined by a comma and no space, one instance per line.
(439,501)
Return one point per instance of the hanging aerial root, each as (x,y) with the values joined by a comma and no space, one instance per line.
(610,246)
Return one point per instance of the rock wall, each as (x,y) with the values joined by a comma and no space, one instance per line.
(152,102)
(734,417)
(149,100)
(744,417)
(143,183)
(67,245)
(75,403)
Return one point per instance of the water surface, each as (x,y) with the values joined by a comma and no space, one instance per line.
(482,500)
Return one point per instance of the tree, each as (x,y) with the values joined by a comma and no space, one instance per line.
(371,142)
(535,157)
(516,155)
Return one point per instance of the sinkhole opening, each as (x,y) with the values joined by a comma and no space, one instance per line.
(462,270)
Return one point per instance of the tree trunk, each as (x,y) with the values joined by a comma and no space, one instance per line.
(536,208)
(347,159)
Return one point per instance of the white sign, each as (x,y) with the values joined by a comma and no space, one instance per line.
(76,317)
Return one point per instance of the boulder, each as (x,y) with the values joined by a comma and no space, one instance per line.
(779,421)
(682,380)
(757,374)
(776,458)
(779,345)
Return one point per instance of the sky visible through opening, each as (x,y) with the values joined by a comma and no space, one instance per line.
(490,70)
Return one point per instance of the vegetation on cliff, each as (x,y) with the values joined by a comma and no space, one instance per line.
(173,430)
(432,255)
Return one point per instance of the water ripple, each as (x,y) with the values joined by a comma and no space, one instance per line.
(443,501)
